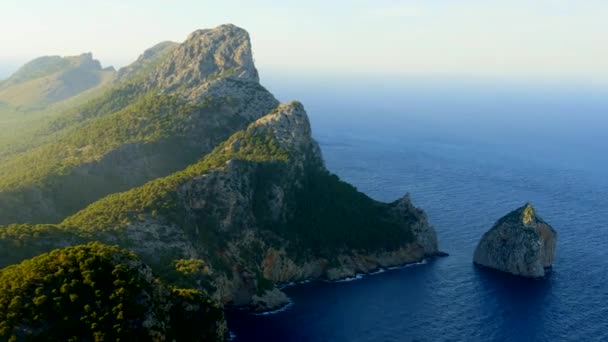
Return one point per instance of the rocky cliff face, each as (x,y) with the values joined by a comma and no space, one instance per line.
(214,63)
(207,56)
(520,243)
(245,218)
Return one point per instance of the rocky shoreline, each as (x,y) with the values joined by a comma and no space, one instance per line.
(275,300)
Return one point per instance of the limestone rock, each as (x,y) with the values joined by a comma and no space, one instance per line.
(222,52)
(520,243)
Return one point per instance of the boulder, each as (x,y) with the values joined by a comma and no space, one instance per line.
(520,243)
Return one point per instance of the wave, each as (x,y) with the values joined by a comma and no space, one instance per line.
(283,308)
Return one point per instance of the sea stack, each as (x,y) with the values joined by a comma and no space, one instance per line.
(520,243)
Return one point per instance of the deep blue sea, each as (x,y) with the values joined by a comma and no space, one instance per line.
(467,153)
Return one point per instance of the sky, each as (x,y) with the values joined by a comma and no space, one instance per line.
(540,39)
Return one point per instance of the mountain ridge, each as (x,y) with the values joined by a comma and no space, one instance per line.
(218,103)
(261,209)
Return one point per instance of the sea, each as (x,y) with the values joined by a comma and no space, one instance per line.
(468,151)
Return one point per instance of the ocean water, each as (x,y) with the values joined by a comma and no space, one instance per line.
(467,158)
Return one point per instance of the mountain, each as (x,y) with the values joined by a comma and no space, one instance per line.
(184,102)
(52,79)
(94,293)
(260,209)
(187,161)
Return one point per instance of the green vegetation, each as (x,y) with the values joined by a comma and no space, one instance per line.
(326,215)
(159,197)
(95,292)
(26,130)
(164,129)
(147,120)
(191,266)
(65,166)
(329,215)
(332,215)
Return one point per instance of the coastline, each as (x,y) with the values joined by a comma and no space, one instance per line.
(288,303)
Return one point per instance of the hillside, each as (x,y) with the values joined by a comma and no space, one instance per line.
(261,209)
(147,61)
(95,293)
(51,79)
(179,103)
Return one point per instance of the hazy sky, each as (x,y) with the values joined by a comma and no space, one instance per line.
(521,38)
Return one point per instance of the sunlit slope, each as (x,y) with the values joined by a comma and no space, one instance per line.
(169,113)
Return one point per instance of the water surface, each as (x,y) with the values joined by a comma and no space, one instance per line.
(466,172)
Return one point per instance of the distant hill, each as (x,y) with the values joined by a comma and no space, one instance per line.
(51,79)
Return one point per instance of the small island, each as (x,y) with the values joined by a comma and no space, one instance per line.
(520,243)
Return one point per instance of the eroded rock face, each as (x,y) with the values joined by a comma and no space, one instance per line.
(520,243)
(225,51)
(227,199)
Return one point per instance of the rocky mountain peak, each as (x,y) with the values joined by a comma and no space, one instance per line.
(289,124)
(224,51)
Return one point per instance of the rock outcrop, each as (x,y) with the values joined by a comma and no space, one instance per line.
(520,243)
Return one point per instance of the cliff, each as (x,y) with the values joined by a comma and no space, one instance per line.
(261,209)
(520,243)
